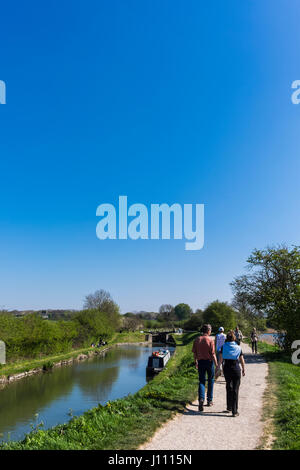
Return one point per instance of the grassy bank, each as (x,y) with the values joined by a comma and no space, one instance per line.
(24,365)
(32,337)
(128,422)
(282,398)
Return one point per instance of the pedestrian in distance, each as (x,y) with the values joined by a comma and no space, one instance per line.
(232,355)
(219,341)
(238,335)
(254,339)
(205,361)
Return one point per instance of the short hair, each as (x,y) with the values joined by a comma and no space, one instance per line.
(206,328)
(230,336)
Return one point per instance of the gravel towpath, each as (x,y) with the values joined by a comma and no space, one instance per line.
(214,429)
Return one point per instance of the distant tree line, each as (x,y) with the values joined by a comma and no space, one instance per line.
(216,313)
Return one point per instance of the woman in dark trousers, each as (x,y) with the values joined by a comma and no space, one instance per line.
(254,339)
(232,355)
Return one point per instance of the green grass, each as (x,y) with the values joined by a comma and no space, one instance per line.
(128,337)
(128,422)
(284,381)
(26,365)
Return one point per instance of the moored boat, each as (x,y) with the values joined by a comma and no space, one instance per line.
(157,361)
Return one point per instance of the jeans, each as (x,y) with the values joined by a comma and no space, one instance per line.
(233,380)
(254,346)
(206,367)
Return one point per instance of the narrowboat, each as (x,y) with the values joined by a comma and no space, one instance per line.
(157,361)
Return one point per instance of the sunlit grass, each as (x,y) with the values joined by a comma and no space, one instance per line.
(284,376)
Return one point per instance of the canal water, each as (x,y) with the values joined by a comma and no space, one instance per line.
(269,337)
(54,397)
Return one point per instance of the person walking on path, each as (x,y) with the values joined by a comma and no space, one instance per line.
(219,341)
(238,335)
(205,361)
(232,354)
(254,339)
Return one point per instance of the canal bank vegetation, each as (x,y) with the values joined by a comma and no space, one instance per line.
(282,400)
(45,363)
(128,422)
(32,337)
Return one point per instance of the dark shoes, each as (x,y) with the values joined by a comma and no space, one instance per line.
(235,414)
(200,407)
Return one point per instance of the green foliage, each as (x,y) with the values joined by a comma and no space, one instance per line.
(151,324)
(93,324)
(273,288)
(247,321)
(102,301)
(48,365)
(182,311)
(32,337)
(220,314)
(194,322)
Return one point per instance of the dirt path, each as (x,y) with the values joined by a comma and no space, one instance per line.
(214,429)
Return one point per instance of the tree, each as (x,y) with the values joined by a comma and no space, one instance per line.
(183,311)
(195,321)
(93,325)
(100,300)
(166,312)
(131,323)
(273,287)
(220,314)
(248,317)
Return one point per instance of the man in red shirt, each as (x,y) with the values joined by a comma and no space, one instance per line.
(205,360)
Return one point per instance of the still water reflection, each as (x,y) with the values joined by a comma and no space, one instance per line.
(75,388)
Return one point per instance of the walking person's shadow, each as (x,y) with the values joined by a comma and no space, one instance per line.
(254,358)
(195,412)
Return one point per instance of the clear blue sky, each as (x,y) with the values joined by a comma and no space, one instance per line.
(172,101)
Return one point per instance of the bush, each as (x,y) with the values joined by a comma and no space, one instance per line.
(31,336)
